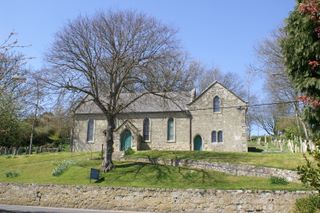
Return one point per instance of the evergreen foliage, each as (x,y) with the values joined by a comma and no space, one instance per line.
(301,50)
(308,205)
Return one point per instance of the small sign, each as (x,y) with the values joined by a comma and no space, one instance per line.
(94,174)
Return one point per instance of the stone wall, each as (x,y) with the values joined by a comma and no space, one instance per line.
(160,200)
(199,120)
(233,169)
(158,129)
(230,120)
(158,133)
(80,132)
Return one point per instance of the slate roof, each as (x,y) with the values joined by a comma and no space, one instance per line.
(211,85)
(146,103)
(176,102)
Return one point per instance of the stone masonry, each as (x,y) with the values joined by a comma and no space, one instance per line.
(231,120)
(195,118)
(150,199)
(233,169)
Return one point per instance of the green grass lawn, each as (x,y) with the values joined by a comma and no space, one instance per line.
(38,169)
(276,160)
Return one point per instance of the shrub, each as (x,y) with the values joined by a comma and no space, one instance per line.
(308,204)
(12,174)
(62,167)
(278,180)
(129,152)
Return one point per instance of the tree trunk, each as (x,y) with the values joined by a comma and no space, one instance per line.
(107,162)
(72,132)
(34,117)
(299,119)
(305,130)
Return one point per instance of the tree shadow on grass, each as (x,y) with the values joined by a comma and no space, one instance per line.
(190,175)
(123,171)
(254,149)
(163,173)
(130,165)
(155,174)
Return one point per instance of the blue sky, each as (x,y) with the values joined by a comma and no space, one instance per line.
(215,32)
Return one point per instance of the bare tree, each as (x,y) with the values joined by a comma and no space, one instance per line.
(112,53)
(277,83)
(231,80)
(12,90)
(34,101)
(11,64)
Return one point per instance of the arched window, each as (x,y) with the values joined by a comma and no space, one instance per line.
(216,104)
(220,136)
(146,129)
(170,129)
(90,131)
(214,136)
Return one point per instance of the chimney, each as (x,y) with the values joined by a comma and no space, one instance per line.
(193,94)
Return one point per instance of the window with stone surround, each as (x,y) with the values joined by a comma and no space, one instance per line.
(146,129)
(90,131)
(214,136)
(220,136)
(216,104)
(170,130)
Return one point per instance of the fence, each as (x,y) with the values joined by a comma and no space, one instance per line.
(25,150)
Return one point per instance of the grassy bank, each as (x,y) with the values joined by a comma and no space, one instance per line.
(276,160)
(38,169)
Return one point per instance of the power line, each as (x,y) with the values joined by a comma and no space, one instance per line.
(273,103)
(248,105)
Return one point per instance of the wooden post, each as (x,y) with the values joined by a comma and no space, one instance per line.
(101,151)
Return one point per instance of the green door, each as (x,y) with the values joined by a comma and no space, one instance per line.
(125,140)
(197,143)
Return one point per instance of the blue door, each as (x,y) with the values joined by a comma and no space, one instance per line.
(125,140)
(197,143)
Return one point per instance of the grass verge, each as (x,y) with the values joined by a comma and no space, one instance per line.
(38,169)
(276,160)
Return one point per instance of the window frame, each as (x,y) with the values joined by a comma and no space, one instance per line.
(215,110)
(215,138)
(93,130)
(143,130)
(220,131)
(173,129)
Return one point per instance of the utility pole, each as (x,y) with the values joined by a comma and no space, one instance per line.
(35,114)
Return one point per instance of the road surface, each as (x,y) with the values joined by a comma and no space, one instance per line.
(38,209)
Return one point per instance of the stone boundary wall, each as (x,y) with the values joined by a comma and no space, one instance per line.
(233,169)
(149,199)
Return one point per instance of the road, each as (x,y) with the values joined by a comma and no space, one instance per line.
(38,209)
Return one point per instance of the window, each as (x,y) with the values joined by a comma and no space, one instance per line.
(220,136)
(216,104)
(146,129)
(90,131)
(170,129)
(213,136)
